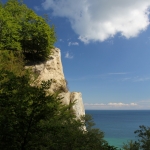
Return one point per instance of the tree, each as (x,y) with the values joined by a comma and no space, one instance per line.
(9,31)
(144,137)
(23,108)
(30,118)
(131,145)
(12,61)
(22,29)
(143,142)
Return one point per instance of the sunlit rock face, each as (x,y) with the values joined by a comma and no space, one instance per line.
(52,69)
(76,97)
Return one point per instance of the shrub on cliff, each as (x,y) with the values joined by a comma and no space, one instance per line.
(12,61)
(22,29)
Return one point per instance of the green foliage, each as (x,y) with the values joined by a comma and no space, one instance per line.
(131,145)
(28,114)
(9,31)
(12,61)
(30,118)
(144,137)
(143,142)
(22,29)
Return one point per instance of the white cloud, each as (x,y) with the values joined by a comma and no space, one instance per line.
(126,79)
(36,8)
(140,79)
(96,104)
(111,42)
(61,40)
(139,105)
(98,20)
(67,55)
(122,104)
(112,104)
(118,73)
(136,79)
(73,43)
(145,103)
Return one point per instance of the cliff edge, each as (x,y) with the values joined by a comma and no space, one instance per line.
(52,69)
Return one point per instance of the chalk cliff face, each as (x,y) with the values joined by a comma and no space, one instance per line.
(52,70)
(77,97)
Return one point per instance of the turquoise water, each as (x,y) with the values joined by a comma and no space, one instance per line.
(119,125)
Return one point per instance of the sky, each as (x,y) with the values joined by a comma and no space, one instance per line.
(105,49)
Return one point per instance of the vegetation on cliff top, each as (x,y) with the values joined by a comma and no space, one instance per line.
(23,30)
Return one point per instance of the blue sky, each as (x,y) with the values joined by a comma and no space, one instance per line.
(105,47)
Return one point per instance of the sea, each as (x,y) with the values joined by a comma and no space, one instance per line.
(119,125)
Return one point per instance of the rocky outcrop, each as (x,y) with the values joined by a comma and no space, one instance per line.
(52,70)
(76,97)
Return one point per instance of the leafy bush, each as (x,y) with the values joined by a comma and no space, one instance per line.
(143,142)
(22,29)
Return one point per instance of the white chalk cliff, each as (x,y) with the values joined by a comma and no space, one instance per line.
(52,69)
